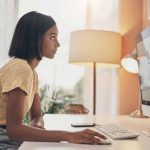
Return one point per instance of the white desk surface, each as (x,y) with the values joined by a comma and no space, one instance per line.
(63,122)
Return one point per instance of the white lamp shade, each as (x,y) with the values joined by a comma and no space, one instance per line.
(95,46)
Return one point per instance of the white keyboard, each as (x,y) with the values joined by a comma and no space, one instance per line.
(116,132)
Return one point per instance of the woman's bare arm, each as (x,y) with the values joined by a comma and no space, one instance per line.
(19,132)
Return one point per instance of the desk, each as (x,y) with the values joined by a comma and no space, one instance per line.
(63,122)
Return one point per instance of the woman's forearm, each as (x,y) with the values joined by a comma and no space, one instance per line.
(27,133)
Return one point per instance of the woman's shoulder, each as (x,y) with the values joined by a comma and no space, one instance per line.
(18,62)
(17,65)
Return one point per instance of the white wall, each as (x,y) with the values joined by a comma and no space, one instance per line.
(8,16)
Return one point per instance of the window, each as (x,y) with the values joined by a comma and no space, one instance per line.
(60,80)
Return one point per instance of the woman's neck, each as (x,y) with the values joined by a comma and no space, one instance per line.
(33,63)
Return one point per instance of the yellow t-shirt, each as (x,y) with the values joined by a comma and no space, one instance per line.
(17,73)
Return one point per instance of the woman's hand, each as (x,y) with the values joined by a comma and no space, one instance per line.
(86,136)
(38,123)
(36,113)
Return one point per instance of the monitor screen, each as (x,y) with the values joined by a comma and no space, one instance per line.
(143,50)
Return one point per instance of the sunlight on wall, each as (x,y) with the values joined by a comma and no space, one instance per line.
(102,14)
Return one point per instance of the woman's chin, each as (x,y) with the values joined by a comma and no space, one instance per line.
(50,57)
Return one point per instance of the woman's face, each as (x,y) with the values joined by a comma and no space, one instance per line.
(50,42)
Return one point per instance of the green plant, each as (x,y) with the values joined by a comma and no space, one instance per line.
(26,119)
(54,104)
(60,97)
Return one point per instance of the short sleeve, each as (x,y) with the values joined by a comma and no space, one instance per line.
(18,76)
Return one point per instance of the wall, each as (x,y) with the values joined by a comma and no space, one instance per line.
(145,20)
(130,27)
(8,16)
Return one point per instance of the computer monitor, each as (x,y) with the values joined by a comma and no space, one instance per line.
(143,51)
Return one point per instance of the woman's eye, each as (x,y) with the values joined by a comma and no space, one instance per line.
(52,38)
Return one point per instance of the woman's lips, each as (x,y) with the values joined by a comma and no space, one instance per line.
(54,51)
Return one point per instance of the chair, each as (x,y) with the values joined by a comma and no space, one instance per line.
(75,109)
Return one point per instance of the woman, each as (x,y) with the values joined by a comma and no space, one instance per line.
(35,37)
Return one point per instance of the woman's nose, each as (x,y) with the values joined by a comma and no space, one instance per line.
(58,44)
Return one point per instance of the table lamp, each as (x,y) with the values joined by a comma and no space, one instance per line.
(130,64)
(95,46)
